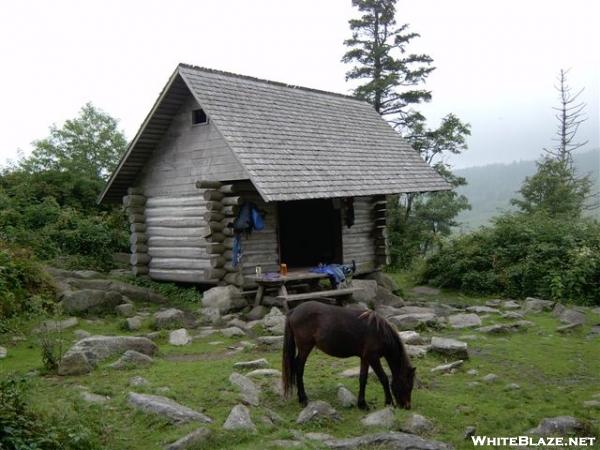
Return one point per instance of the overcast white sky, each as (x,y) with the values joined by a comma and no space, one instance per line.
(496,59)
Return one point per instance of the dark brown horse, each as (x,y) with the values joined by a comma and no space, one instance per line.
(343,332)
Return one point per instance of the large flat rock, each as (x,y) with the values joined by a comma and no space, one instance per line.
(393,440)
(165,408)
(449,347)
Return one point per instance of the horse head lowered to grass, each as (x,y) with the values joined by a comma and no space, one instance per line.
(344,332)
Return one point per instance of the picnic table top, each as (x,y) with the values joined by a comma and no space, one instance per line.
(293,275)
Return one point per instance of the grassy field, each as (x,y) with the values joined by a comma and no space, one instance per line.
(556,374)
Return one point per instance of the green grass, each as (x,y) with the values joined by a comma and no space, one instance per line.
(556,374)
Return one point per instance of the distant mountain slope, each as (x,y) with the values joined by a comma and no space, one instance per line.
(491,187)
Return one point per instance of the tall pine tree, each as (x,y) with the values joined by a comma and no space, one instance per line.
(392,80)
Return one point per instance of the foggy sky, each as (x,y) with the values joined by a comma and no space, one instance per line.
(496,60)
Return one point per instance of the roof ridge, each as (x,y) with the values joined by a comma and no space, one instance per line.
(263,80)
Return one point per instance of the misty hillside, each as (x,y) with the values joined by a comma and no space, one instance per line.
(491,187)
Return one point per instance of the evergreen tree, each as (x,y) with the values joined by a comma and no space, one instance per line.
(392,83)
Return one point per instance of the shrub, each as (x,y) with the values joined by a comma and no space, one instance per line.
(523,255)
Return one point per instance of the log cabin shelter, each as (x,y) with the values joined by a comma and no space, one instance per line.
(317,166)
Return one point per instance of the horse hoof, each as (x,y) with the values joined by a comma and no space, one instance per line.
(363,406)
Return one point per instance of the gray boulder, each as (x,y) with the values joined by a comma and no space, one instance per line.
(90,300)
(165,408)
(3,352)
(168,318)
(81,334)
(411,337)
(239,419)
(537,305)
(179,337)
(138,381)
(417,351)
(249,392)
(483,310)
(255,364)
(264,373)
(383,280)
(391,440)
(447,368)
(367,290)
(412,321)
(55,326)
(232,331)
(346,398)
(557,426)
(131,359)
(224,298)
(125,310)
(503,328)
(257,313)
(192,439)
(510,305)
(272,342)
(417,424)
(133,323)
(490,378)
(82,357)
(90,397)
(384,296)
(382,418)
(464,320)
(317,410)
(512,315)
(572,316)
(449,347)
(274,322)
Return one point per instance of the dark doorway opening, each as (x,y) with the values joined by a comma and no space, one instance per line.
(310,232)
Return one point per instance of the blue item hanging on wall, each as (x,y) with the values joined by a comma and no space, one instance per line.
(249,218)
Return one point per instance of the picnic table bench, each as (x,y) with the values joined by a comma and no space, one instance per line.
(295,278)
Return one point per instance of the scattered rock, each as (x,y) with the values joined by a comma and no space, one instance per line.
(494,303)
(537,305)
(391,439)
(255,364)
(568,327)
(384,296)
(510,305)
(557,426)
(490,378)
(192,439)
(130,359)
(273,342)
(257,313)
(346,398)
(274,322)
(383,280)
(572,317)
(483,310)
(286,443)
(212,315)
(594,331)
(249,392)
(502,328)
(166,408)
(449,347)
(224,298)
(512,387)
(367,290)
(592,404)
(237,323)
(55,326)
(94,398)
(3,352)
(86,354)
(354,372)
(264,373)
(411,309)
(425,290)
(446,368)
(90,300)
(179,337)
(81,334)
(412,321)
(317,410)
(469,431)
(133,323)
(316,436)
(472,372)
(513,315)
(411,337)
(239,419)
(596,310)
(417,424)
(125,310)
(138,381)
(417,351)
(382,418)
(168,318)
(464,320)
(232,331)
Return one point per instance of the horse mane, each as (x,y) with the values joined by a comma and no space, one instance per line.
(388,332)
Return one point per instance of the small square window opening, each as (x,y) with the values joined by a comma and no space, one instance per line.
(199,116)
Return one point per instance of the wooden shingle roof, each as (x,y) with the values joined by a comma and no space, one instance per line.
(298,143)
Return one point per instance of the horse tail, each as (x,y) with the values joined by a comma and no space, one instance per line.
(288,361)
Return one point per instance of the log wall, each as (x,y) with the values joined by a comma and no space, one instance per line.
(359,241)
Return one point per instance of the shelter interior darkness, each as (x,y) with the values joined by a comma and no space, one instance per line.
(310,232)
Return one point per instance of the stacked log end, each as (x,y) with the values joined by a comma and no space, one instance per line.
(134,203)
(380,231)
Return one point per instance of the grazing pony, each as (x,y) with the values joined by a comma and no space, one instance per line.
(344,332)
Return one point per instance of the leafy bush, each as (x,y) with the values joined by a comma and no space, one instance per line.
(523,255)
(23,429)
(173,292)
(24,287)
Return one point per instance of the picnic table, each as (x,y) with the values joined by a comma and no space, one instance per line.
(294,278)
